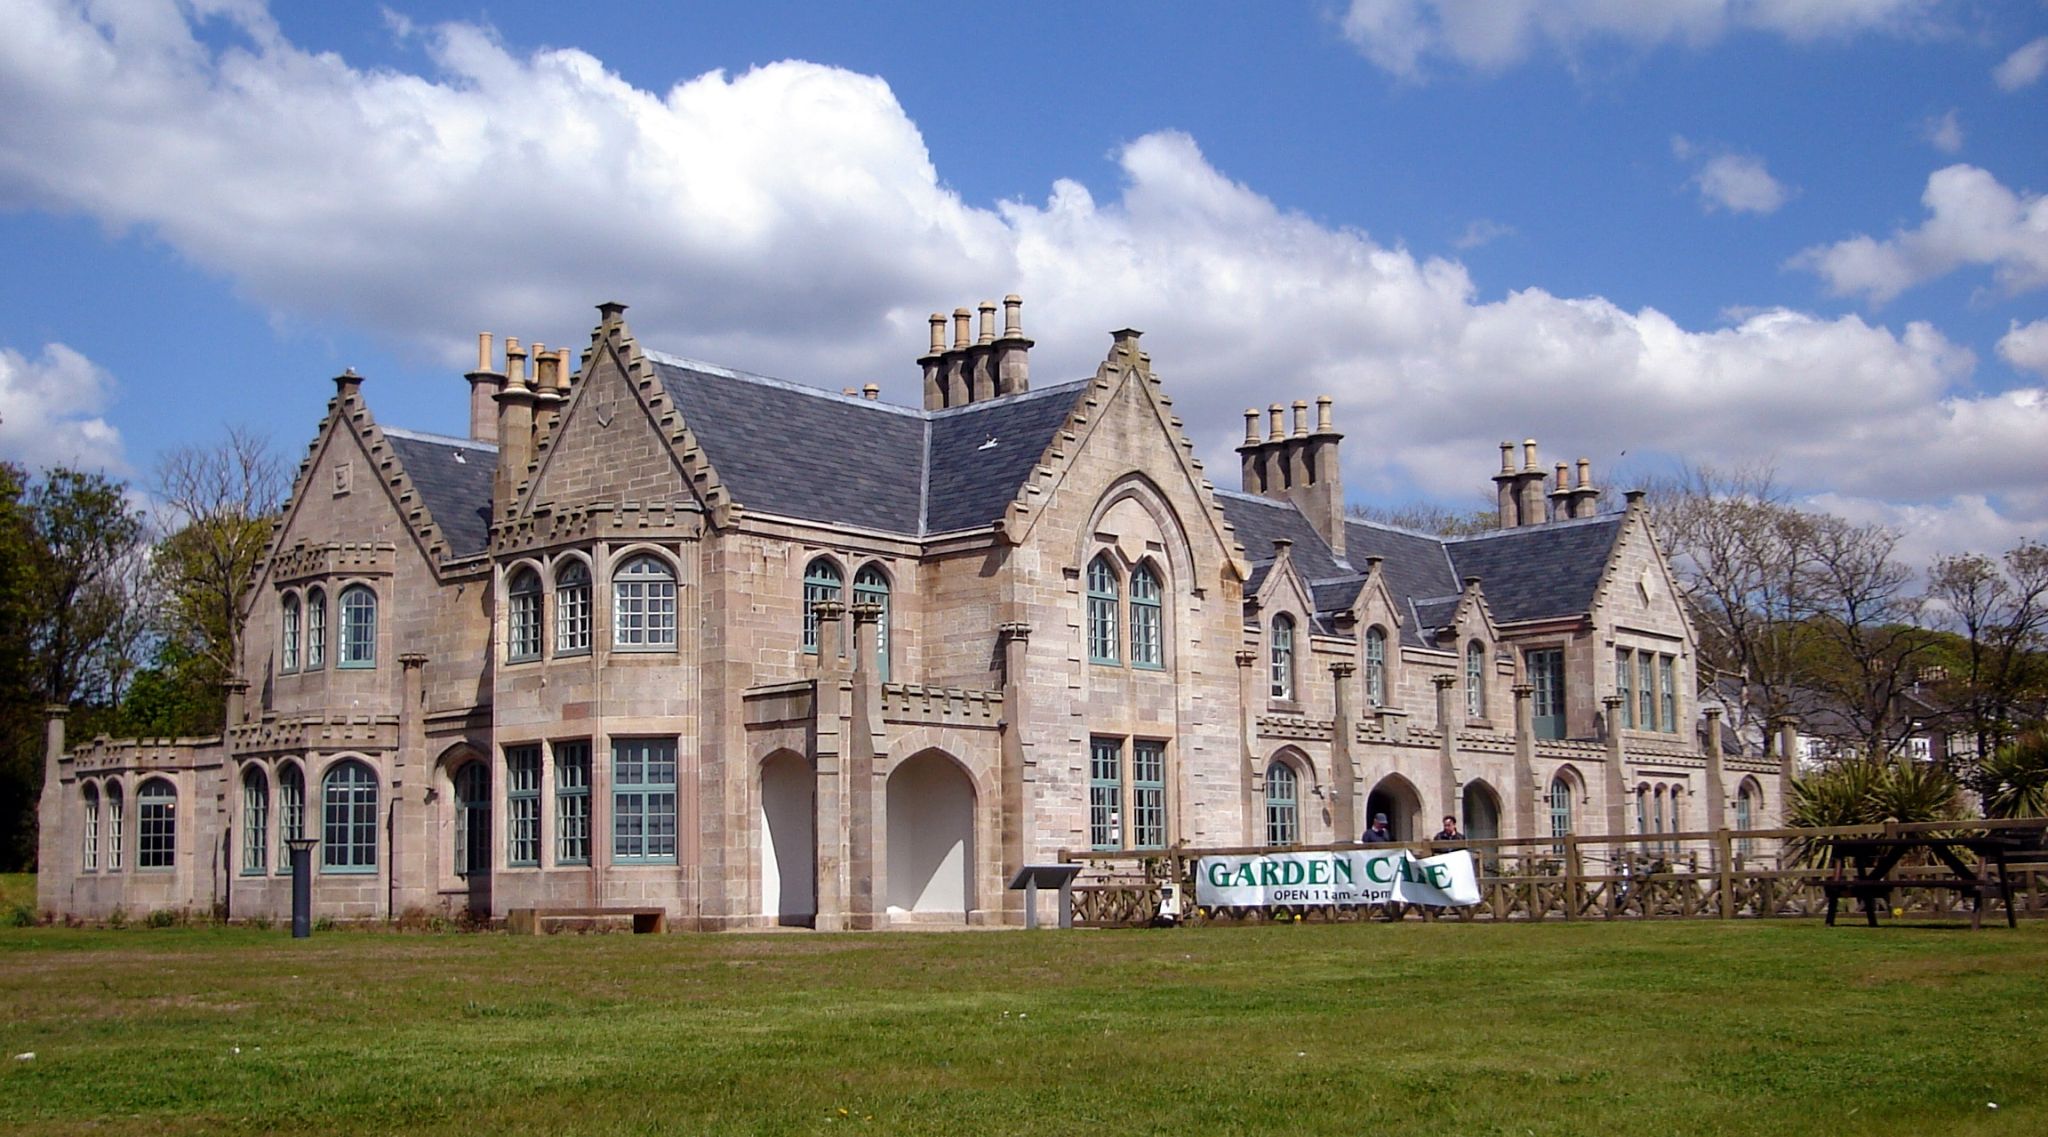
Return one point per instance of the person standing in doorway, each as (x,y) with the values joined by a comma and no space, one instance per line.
(1450,830)
(1377,833)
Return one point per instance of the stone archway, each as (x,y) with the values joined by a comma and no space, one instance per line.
(930,838)
(789,840)
(1395,796)
(1482,811)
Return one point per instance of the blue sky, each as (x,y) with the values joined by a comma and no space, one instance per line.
(1808,233)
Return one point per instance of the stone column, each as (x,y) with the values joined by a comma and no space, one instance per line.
(1717,791)
(412,777)
(1017,777)
(1343,770)
(1617,793)
(1526,788)
(1448,726)
(1248,741)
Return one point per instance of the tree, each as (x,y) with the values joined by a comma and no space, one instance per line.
(1863,618)
(2000,608)
(217,504)
(1426,517)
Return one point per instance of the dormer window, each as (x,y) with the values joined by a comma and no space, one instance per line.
(1475,680)
(1282,657)
(1376,666)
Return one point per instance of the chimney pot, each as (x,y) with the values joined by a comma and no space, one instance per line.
(1251,426)
(1507,457)
(1528,453)
(1563,480)
(988,322)
(483,351)
(1013,317)
(1585,472)
(872,391)
(1323,403)
(938,332)
(961,318)
(1277,413)
(1301,418)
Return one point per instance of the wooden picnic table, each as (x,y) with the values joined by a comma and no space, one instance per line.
(1875,862)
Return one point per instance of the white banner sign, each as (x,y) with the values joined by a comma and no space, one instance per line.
(1361,876)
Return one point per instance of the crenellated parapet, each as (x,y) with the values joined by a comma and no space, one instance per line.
(546,527)
(912,704)
(109,755)
(308,561)
(299,733)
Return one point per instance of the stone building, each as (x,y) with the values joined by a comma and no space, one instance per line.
(660,633)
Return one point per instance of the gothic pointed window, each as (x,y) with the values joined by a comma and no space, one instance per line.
(1282,657)
(1376,666)
(871,586)
(822,580)
(1475,680)
(1283,805)
(1147,634)
(522,619)
(572,608)
(1103,601)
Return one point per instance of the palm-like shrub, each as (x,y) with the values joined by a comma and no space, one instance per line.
(1862,791)
(2015,777)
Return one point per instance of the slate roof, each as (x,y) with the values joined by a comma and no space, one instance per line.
(453,477)
(1531,573)
(1538,571)
(810,453)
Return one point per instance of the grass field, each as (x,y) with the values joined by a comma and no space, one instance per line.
(1660,1028)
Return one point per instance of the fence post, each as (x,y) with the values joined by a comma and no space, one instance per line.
(1572,877)
(1725,862)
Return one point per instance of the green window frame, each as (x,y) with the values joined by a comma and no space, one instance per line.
(1104,597)
(156,826)
(1148,647)
(644,605)
(1105,793)
(1667,692)
(348,818)
(1624,685)
(1148,793)
(1546,703)
(522,806)
(89,853)
(358,627)
(822,580)
(291,808)
(644,801)
(1280,655)
(316,628)
(522,617)
(572,608)
(1475,680)
(288,655)
(1560,810)
(1283,804)
(572,803)
(472,854)
(1646,689)
(117,825)
(255,822)
(871,586)
(1376,666)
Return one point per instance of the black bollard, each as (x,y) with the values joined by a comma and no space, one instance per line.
(302,887)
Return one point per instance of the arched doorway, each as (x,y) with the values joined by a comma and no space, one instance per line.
(931,837)
(1395,796)
(1482,812)
(789,840)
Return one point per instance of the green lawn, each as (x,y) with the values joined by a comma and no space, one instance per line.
(1738,1028)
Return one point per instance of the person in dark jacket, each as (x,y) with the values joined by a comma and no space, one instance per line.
(1450,831)
(1377,833)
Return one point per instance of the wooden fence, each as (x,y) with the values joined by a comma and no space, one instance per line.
(1720,875)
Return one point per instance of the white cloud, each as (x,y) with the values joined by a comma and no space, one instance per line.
(2024,67)
(789,220)
(1738,183)
(50,411)
(1944,133)
(1482,232)
(1967,523)
(1972,220)
(1403,37)
(2025,346)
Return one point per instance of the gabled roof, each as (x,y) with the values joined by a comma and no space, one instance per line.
(453,479)
(810,453)
(1539,572)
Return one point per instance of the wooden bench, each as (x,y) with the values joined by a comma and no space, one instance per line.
(529,921)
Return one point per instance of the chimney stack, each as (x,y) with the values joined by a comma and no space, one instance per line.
(1300,467)
(979,364)
(1585,497)
(484,384)
(515,427)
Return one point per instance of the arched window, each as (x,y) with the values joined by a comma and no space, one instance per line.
(1746,802)
(255,821)
(1103,601)
(522,616)
(89,855)
(289,657)
(358,627)
(1283,657)
(1376,666)
(1560,808)
(644,604)
(821,586)
(1147,644)
(117,828)
(156,825)
(1475,680)
(1283,807)
(871,586)
(291,807)
(472,819)
(348,819)
(316,629)
(572,608)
